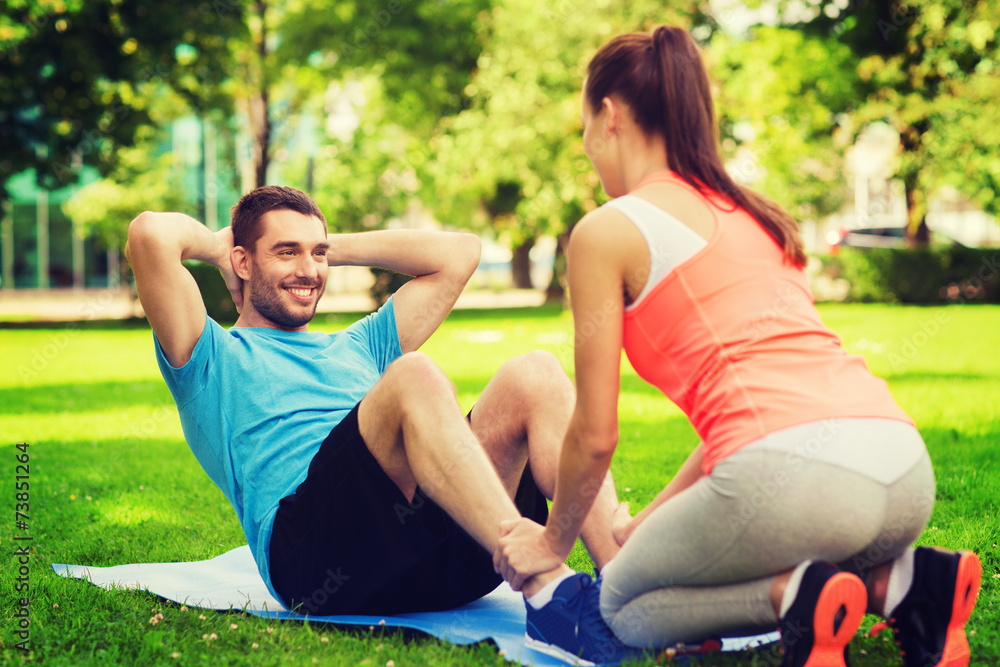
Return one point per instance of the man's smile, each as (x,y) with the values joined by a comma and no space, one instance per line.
(301,293)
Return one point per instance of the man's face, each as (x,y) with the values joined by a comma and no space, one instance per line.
(288,269)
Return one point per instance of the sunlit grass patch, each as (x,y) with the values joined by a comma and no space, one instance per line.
(113,482)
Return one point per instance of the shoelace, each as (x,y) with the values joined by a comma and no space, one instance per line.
(592,612)
(577,601)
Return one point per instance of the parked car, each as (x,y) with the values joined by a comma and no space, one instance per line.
(881,237)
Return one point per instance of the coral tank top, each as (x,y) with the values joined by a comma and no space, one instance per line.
(732,336)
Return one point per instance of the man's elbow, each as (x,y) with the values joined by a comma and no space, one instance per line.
(149,232)
(140,230)
(470,251)
(134,236)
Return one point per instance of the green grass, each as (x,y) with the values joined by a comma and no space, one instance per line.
(112,480)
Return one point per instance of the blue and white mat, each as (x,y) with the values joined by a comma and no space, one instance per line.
(231,581)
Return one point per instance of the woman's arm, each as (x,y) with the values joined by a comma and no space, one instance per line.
(596,277)
(597,263)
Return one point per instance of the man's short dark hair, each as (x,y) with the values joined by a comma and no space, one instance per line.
(248,213)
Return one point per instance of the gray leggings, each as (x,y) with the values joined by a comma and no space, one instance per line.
(856,492)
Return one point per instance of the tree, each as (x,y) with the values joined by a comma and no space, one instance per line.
(104,207)
(73,75)
(968,140)
(296,55)
(258,76)
(77,79)
(277,71)
(381,87)
(421,51)
(925,67)
(515,155)
(782,96)
(370,173)
(388,54)
(144,177)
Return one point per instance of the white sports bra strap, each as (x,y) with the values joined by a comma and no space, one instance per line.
(670,241)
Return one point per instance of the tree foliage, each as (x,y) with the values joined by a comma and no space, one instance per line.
(143,177)
(514,159)
(781,101)
(367,176)
(284,71)
(72,74)
(382,86)
(472,106)
(421,52)
(926,68)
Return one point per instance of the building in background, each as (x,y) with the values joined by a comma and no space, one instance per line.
(41,248)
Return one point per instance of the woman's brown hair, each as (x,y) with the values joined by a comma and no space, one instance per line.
(661,77)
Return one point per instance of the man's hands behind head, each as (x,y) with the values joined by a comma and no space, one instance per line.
(224,238)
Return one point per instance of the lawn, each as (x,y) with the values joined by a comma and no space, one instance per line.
(112,481)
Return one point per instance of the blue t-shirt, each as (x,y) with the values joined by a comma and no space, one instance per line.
(257,403)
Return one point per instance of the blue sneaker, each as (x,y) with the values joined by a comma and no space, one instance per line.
(570,626)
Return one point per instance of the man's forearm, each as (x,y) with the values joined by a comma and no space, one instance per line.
(177,235)
(157,243)
(409,251)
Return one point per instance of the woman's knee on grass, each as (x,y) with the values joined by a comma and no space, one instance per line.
(640,621)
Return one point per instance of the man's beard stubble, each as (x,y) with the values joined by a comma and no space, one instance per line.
(266,300)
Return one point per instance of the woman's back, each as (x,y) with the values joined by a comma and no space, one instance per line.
(731,334)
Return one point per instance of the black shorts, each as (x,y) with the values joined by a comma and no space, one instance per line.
(349,542)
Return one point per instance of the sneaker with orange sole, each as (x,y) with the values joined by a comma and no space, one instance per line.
(929,623)
(823,618)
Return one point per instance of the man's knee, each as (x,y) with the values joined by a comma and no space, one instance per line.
(538,374)
(544,362)
(416,375)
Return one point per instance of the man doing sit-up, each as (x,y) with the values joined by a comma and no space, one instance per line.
(360,485)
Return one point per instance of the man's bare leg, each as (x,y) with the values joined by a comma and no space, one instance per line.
(522,417)
(414,427)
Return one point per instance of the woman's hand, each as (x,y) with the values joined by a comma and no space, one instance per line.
(621,524)
(523,551)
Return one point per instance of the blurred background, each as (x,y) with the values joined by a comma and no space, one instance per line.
(874,123)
